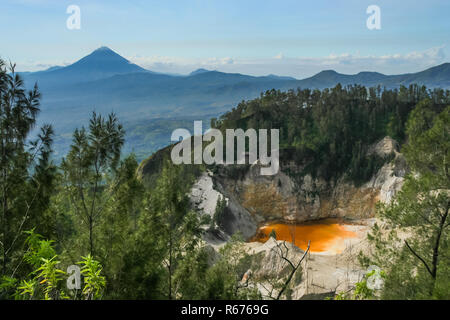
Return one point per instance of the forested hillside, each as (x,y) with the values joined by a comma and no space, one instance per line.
(332,129)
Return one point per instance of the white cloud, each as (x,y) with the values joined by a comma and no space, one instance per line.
(299,67)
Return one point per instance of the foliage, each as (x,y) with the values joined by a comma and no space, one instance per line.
(51,276)
(91,161)
(26,171)
(273,234)
(361,290)
(415,253)
(223,279)
(46,281)
(217,219)
(329,131)
(93,279)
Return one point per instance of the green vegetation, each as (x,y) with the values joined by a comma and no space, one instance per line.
(329,131)
(135,242)
(415,253)
(217,219)
(134,236)
(46,280)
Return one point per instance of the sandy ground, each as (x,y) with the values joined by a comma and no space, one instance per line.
(334,270)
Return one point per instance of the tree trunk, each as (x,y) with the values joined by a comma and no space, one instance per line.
(5,223)
(91,242)
(170,267)
(437,243)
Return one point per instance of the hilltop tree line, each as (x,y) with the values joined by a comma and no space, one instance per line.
(330,130)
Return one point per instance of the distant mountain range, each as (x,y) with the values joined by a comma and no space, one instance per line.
(104,81)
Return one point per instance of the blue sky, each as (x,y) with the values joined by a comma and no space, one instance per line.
(286,37)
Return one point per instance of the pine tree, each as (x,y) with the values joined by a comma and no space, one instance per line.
(92,160)
(26,171)
(417,266)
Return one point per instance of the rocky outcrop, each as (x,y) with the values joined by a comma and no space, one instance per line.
(389,179)
(204,197)
(290,196)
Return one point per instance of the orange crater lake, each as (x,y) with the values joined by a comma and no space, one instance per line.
(326,235)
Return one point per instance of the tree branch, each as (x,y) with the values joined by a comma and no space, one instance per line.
(288,280)
(418,257)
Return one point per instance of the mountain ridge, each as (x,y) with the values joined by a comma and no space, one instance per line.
(104,63)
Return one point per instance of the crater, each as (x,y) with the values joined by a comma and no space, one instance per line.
(326,236)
